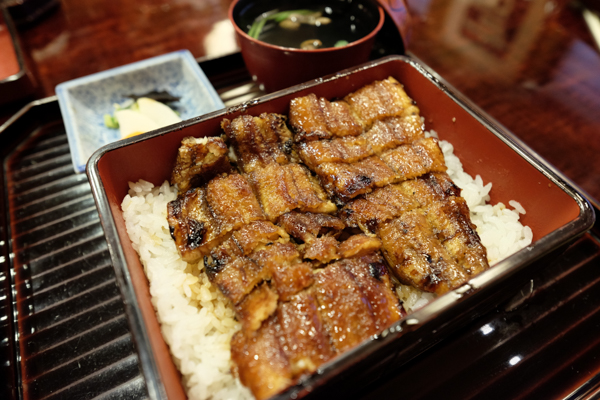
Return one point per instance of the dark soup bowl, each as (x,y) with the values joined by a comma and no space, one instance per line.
(286,42)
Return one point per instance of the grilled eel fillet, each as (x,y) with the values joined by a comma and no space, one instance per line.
(304,286)
(280,289)
(424,224)
(264,149)
(198,161)
(390,147)
(390,181)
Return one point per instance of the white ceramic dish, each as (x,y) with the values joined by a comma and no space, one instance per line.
(84,101)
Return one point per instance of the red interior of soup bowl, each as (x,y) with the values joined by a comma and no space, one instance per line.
(151,157)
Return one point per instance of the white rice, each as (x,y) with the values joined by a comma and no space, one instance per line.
(196,321)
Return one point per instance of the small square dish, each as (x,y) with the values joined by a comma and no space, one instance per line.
(84,101)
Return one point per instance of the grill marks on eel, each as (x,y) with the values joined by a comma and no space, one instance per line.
(389,148)
(267,158)
(292,197)
(304,285)
(391,182)
(428,238)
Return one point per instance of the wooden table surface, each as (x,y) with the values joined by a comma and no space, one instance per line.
(531,64)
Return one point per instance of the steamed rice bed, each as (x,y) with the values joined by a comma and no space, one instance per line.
(197,321)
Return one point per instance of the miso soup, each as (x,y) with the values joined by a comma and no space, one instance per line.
(309,25)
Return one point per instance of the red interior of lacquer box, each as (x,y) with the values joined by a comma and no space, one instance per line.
(481,152)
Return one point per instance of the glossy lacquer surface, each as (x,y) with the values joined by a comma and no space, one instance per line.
(530,64)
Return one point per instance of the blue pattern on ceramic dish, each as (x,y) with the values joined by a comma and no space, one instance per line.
(84,101)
